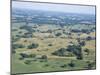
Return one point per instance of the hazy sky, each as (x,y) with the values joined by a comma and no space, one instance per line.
(55,7)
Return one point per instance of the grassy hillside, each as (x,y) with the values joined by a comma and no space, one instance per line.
(33,47)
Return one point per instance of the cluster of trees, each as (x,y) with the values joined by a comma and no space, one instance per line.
(82,43)
(63,66)
(58,34)
(75,49)
(67,33)
(14,39)
(28,28)
(90,38)
(63,52)
(18,36)
(28,35)
(60,52)
(71,64)
(49,44)
(15,46)
(24,55)
(33,45)
(82,31)
(44,58)
(49,31)
(90,65)
(87,51)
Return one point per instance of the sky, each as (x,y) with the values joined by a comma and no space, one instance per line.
(54,7)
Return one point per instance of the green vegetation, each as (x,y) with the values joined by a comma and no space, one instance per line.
(33,45)
(15,46)
(44,58)
(27,62)
(53,47)
(60,52)
(87,51)
(71,64)
(76,49)
(58,34)
(82,43)
(49,44)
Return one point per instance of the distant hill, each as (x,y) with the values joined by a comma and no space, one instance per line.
(50,17)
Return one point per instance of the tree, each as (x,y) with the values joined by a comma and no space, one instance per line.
(75,49)
(87,51)
(28,28)
(75,30)
(78,40)
(49,31)
(72,64)
(85,30)
(15,46)
(44,57)
(79,56)
(82,43)
(23,55)
(59,52)
(14,39)
(33,45)
(64,65)
(20,46)
(25,40)
(58,34)
(32,55)
(90,65)
(89,38)
(27,62)
(49,44)
(46,65)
